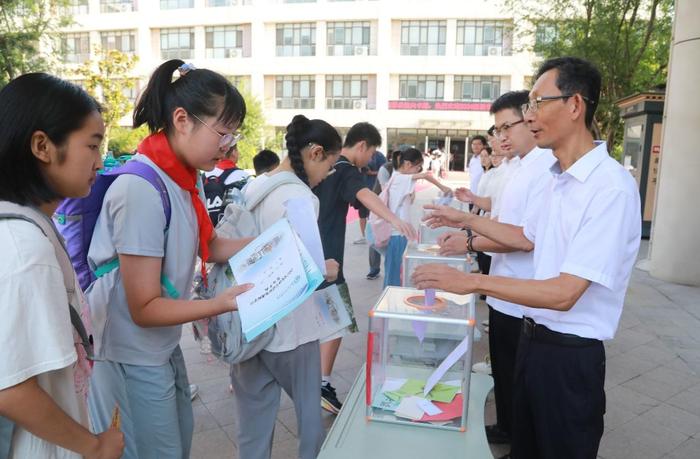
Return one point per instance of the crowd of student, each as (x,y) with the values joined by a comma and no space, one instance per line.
(553,215)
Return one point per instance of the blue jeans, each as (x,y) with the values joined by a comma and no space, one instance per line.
(393,260)
(154,402)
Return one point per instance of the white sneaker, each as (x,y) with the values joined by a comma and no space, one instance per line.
(360,241)
(483,367)
(194,390)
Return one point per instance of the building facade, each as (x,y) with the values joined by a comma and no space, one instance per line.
(424,72)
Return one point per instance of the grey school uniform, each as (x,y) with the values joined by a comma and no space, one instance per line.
(142,369)
(291,362)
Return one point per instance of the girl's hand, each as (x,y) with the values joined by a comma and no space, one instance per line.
(110,445)
(226,300)
(405,228)
(332,269)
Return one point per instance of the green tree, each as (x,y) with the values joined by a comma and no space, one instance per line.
(107,78)
(629,41)
(253,129)
(124,140)
(28,30)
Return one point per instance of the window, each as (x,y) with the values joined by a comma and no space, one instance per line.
(421,87)
(75,7)
(131,93)
(177,43)
(117,6)
(176,4)
(346,91)
(483,38)
(477,88)
(545,34)
(296,39)
(75,47)
(423,38)
(224,41)
(121,40)
(239,81)
(348,38)
(228,2)
(295,91)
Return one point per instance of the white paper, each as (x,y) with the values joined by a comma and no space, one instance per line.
(408,408)
(301,214)
(450,360)
(392,384)
(429,407)
(331,314)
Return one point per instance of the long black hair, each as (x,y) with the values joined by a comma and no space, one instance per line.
(303,131)
(36,102)
(412,155)
(200,92)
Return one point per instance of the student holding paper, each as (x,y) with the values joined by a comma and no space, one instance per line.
(292,360)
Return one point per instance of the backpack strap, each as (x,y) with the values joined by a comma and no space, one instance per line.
(225,174)
(271,184)
(10,210)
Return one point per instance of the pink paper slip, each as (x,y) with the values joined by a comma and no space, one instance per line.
(449,410)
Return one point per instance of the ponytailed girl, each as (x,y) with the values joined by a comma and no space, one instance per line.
(292,360)
(140,304)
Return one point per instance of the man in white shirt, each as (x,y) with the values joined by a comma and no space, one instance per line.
(521,196)
(585,240)
(475,170)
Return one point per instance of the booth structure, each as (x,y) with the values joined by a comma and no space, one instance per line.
(643,114)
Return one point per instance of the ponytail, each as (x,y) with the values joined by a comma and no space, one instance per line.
(200,92)
(303,131)
(396,159)
(411,155)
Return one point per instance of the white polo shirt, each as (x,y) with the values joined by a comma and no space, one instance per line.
(506,170)
(521,196)
(590,227)
(475,173)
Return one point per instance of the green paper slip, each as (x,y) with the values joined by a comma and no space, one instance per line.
(412,387)
(443,393)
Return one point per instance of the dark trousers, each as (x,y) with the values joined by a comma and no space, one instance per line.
(504,334)
(484,262)
(375,260)
(559,400)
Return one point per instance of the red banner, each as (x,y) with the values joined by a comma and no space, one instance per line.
(439,105)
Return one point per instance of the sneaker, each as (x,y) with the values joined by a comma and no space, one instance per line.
(360,241)
(485,323)
(329,401)
(496,436)
(194,390)
(372,275)
(483,367)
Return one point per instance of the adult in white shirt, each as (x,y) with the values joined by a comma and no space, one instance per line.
(586,238)
(51,131)
(478,143)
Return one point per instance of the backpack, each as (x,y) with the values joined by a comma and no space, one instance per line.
(218,193)
(75,218)
(224,330)
(10,210)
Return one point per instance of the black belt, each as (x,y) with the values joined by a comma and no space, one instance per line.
(542,334)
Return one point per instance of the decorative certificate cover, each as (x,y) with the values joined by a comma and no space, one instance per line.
(284,275)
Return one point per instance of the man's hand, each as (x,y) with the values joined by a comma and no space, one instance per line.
(110,445)
(453,243)
(332,269)
(443,277)
(445,216)
(465,195)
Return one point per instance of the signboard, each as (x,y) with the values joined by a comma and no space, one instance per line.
(652,176)
(439,105)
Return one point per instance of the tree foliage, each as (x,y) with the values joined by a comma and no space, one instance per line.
(107,78)
(124,140)
(29,35)
(253,129)
(629,41)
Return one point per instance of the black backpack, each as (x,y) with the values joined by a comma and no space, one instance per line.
(218,193)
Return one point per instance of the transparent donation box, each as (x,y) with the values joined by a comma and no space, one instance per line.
(421,254)
(419,359)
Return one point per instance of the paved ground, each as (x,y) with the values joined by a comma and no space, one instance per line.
(652,381)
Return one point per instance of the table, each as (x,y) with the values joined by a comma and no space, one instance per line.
(352,436)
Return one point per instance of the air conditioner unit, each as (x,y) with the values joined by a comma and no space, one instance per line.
(233,52)
(360,104)
(361,51)
(494,51)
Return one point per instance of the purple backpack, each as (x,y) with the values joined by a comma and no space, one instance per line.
(76,217)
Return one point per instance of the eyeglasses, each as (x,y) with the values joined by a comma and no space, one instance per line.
(226,141)
(500,132)
(533,104)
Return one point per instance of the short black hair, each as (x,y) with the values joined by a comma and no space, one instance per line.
(479,137)
(363,131)
(265,161)
(201,92)
(29,103)
(576,75)
(513,100)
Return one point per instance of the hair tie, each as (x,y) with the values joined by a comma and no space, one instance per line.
(184,69)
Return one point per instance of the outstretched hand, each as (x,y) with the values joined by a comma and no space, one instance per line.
(444,216)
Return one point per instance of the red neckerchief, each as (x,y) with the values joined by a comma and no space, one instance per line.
(225,164)
(157,149)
